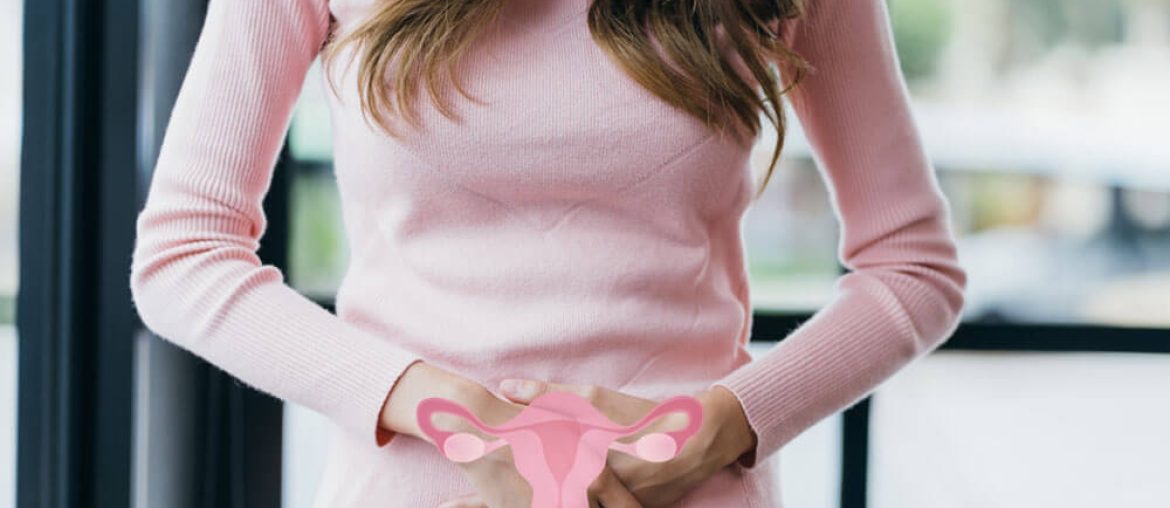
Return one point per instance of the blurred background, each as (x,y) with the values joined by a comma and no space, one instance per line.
(1047,121)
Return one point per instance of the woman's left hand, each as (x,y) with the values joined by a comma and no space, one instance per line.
(722,438)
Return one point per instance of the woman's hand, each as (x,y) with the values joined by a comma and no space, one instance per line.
(497,482)
(722,438)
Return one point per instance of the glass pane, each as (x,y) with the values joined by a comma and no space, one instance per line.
(1046,121)
(303,461)
(1022,430)
(10,122)
(790,233)
(318,254)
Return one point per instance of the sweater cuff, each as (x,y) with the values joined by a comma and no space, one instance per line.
(342,371)
(748,459)
(382,435)
(363,380)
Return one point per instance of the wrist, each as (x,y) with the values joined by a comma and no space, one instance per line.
(423,380)
(733,434)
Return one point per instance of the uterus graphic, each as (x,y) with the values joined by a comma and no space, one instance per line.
(560,441)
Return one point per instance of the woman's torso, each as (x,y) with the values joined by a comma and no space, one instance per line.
(574,228)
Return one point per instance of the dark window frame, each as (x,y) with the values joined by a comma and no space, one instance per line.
(91,132)
(74,315)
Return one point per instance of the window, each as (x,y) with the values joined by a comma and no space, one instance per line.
(10,114)
(790,233)
(318,255)
(9,189)
(1043,118)
(1023,429)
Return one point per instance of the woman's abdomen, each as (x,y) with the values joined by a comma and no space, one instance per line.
(561,311)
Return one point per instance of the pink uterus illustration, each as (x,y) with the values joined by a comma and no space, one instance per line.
(559,441)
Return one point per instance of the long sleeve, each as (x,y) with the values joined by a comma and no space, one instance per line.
(903,294)
(195,277)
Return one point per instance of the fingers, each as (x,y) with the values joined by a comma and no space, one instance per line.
(620,407)
(608,491)
(468,501)
(525,390)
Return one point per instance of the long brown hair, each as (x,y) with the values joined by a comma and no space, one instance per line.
(429,36)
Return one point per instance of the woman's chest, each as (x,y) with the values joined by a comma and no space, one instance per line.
(549,118)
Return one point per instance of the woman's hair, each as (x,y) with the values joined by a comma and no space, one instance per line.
(423,37)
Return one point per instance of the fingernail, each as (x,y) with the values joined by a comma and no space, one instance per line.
(518,387)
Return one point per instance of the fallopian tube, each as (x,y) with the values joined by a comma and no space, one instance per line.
(559,441)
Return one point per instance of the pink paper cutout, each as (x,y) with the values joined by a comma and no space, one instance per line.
(559,441)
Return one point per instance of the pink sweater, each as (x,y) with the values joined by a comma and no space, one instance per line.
(575,229)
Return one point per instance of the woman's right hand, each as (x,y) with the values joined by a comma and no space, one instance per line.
(497,482)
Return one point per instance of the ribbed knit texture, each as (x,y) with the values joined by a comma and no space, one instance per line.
(572,227)
(904,292)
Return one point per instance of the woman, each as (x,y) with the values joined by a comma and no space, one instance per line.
(564,213)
